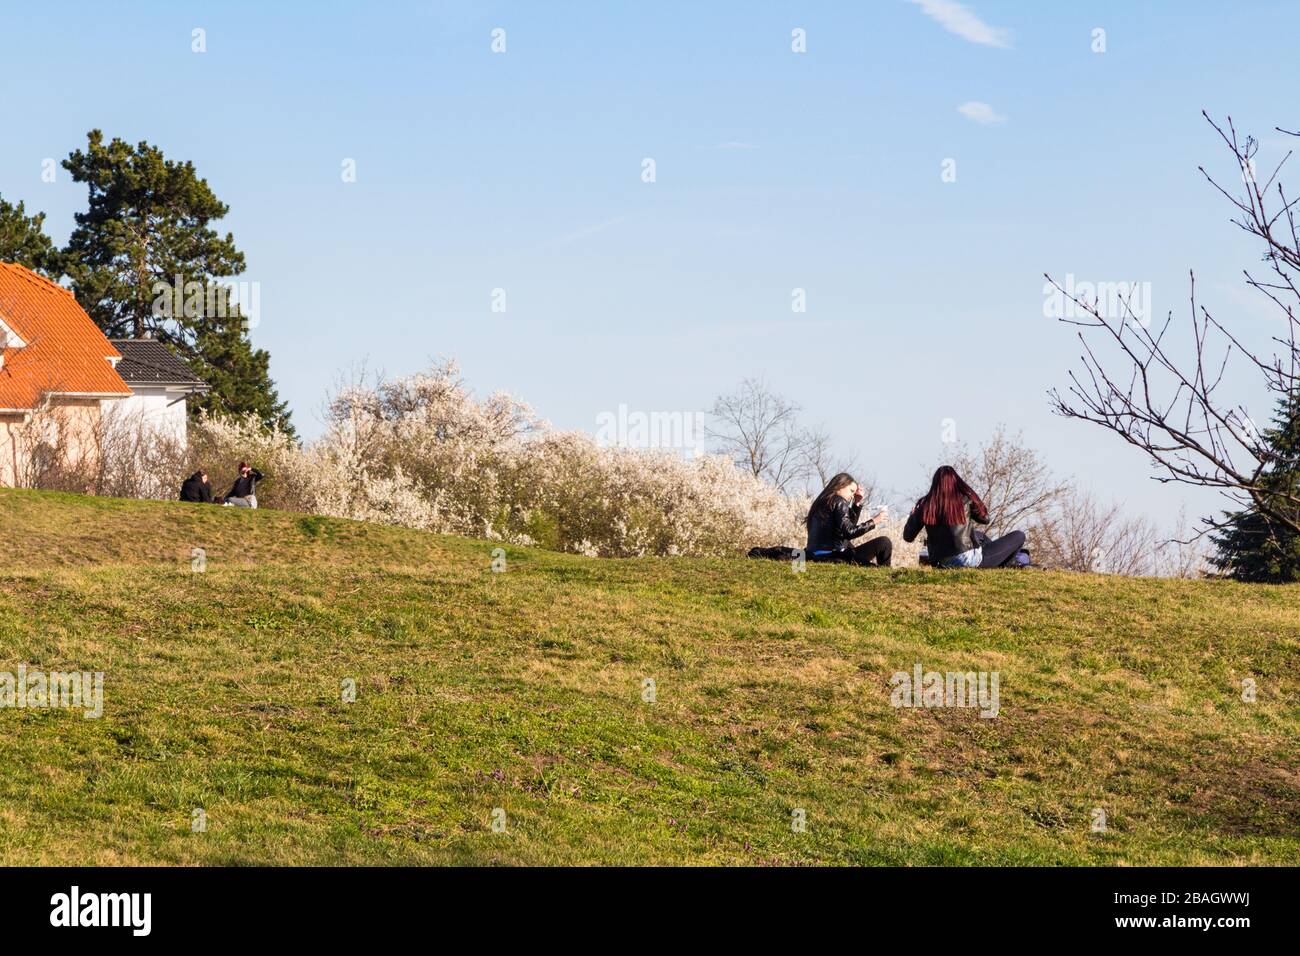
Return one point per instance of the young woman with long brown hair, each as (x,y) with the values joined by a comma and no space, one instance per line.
(833,524)
(949,512)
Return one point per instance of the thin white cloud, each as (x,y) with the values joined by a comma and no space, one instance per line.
(981,113)
(1250,300)
(963,21)
(735,146)
(584,233)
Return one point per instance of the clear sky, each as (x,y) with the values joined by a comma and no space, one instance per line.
(775,170)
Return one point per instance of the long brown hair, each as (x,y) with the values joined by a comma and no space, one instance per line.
(945,502)
(823,501)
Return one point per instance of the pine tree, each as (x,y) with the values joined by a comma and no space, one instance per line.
(144,259)
(23,240)
(235,370)
(1251,546)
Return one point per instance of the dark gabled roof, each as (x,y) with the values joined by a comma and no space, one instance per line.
(149,362)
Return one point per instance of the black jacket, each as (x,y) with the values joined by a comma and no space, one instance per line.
(942,541)
(194,488)
(835,527)
(245,485)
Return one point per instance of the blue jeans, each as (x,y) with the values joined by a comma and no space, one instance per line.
(967,559)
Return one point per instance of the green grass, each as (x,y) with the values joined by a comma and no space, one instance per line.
(523,690)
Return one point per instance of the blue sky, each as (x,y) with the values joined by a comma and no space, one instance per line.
(774,171)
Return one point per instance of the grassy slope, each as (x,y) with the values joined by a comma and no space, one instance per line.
(522,690)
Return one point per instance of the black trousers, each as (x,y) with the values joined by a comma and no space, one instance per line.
(1000,553)
(878,551)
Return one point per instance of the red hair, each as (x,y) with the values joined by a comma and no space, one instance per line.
(945,502)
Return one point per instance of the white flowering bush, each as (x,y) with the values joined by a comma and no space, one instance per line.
(420,451)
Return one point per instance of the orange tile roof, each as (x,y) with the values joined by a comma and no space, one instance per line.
(64,351)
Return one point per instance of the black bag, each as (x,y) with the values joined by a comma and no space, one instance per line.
(775,554)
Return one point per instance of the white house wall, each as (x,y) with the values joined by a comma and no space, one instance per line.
(161,411)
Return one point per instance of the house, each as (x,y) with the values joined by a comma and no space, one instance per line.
(160,381)
(61,381)
(56,372)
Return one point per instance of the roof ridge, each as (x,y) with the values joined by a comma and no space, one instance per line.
(132,356)
(25,273)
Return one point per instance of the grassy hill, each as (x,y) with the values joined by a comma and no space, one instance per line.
(522,690)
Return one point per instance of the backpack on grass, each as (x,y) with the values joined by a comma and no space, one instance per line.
(775,554)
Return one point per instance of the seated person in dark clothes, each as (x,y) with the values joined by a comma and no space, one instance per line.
(949,512)
(833,524)
(196,488)
(243,493)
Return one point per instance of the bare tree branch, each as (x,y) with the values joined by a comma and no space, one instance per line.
(761,432)
(1171,407)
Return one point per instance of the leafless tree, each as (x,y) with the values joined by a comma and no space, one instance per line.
(135,457)
(110,453)
(824,462)
(1136,383)
(760,430)
(1184,554)
(1081,534)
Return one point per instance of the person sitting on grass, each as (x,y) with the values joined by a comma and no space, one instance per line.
(833,524)
(196,488)
(243,493)
(949,512)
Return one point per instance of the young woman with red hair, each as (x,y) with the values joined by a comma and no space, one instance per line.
(949,512)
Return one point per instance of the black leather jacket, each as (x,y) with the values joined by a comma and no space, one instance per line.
(834,528)
(942,541)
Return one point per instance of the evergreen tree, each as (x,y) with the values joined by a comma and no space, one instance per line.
(1251,546)
(236,371)
(23,240)
(144,259)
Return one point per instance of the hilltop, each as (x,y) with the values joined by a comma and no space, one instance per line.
(525,690)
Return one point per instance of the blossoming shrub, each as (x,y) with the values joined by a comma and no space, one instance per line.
(420,451)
